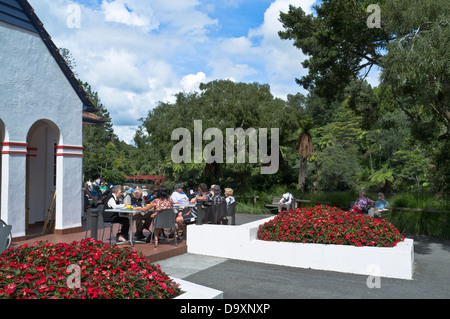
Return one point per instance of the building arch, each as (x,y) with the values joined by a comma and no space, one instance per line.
(42,140)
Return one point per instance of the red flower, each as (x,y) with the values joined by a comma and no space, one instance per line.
(329,225)
(41,271)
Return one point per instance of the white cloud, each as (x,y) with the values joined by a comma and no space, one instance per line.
(137,53)
(282,59)
(122,12)
(191,82)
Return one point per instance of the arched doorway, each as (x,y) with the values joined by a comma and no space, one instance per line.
(42,139)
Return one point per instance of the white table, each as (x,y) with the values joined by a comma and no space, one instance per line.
(182,206)
(124,212)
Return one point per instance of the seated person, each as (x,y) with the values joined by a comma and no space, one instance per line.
(103,187)
(216,197)
(379,207)
(189,216)
(178,196)
(362,203)
(143,220)
(285,202)
(229,198)
(114,202)
(161,202)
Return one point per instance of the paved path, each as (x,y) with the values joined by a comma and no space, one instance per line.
(248,280)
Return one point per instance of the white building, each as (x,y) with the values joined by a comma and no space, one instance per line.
(42,113)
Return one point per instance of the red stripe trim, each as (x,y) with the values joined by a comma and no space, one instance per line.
(14,144)
(14,152)
(32,149)
(63,147)
(68,154)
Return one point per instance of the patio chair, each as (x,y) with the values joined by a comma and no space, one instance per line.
(5,237)
(223,212)
(215,212)
(231,212)
(101,224)
(165,219)
(205,216)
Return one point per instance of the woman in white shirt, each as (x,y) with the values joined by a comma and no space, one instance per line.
(114,203)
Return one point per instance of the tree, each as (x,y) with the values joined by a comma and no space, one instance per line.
(339,169)
(337,41)
(220,104)
(305,148)
(417,63)
(411,48)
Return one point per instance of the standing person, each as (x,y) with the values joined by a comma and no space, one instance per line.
(113,203)
(362,203)
(379,207)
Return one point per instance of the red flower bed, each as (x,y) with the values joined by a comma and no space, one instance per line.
(329,225)
(50,270)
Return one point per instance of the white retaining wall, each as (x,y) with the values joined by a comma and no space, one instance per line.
(240,242)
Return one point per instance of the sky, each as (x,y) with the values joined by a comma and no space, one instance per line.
(138,53)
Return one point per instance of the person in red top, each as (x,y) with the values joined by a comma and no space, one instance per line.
(161,202)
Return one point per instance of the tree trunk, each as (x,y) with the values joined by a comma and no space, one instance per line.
(302,174)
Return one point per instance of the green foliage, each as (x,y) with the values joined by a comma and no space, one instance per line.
(339,168)
(337,41)
(385,174)
(412,51)
(220,104)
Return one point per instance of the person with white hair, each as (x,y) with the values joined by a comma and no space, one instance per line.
(114,202)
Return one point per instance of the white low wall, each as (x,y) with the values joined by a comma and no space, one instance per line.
(194,291)
(240,242)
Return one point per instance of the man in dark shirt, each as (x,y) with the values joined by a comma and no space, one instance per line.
(143,219)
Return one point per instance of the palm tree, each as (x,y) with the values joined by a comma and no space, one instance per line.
(305,148)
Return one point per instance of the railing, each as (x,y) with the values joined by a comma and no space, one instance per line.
(255,198)
(424,210)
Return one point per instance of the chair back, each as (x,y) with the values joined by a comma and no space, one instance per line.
(223,210)
(165,219)
(214,214)
(101,221)
(206,217)
(4,234)
(231,209)
(231,212)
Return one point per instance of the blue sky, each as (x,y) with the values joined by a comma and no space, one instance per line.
(137,53)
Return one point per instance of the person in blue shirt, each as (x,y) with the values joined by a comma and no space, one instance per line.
(380,206)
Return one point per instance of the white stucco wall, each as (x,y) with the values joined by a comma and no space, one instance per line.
(33,88)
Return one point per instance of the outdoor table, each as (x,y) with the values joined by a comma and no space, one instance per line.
(124,212)
(182,206)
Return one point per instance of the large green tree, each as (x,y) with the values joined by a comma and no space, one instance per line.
(337,41)
(411,48)
(220,104)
